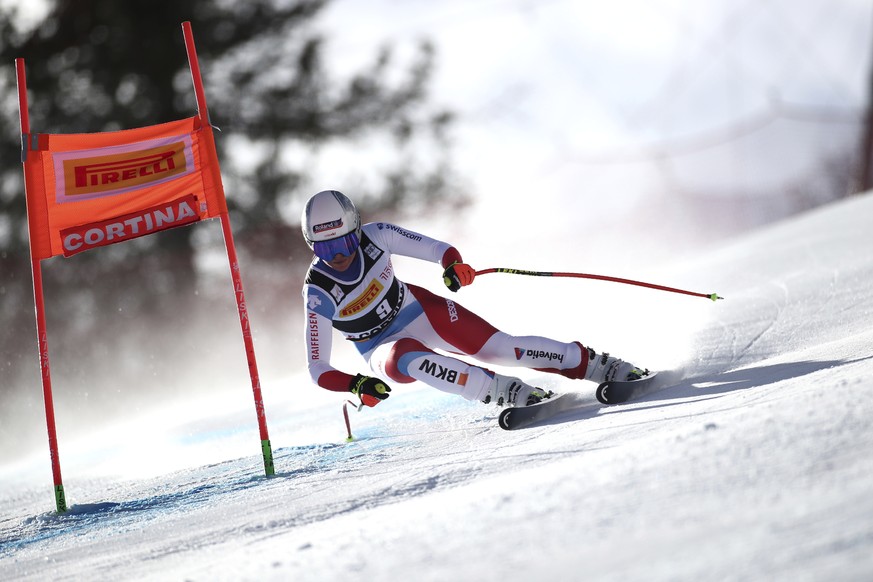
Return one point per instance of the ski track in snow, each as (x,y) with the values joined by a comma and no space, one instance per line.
(753,460)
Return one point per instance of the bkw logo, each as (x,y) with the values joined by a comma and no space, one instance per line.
(442,373)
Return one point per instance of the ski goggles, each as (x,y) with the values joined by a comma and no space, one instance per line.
(345,245)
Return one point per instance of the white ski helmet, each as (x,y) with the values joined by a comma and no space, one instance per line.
(329,215)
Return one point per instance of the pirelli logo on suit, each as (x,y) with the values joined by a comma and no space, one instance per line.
(363,300)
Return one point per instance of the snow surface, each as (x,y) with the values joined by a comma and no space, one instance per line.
(754,462)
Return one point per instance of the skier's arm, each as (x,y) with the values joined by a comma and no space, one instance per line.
(399,241)
(318,346)
(450,257)
(404,242)
(457,273)
(319,341)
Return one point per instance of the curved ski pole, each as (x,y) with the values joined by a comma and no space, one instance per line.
(349,438)
(711,296)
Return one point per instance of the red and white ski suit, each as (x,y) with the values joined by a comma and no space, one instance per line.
(397,326)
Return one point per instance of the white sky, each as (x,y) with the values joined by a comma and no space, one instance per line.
(588,107)
(572,113)
(569,100)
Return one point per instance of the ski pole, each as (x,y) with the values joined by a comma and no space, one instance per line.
(712,296)
(349,438)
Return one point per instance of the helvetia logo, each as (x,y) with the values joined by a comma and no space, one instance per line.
(538,354)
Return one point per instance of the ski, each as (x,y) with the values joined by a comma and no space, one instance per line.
(522,416)
(616,392)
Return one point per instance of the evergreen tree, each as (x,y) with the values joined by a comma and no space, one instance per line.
(100,65)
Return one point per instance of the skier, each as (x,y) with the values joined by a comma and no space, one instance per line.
(397,326)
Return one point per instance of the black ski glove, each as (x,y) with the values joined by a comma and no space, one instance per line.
(371,390)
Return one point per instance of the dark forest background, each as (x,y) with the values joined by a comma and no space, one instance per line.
(130,312)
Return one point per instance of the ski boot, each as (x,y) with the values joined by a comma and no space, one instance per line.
(509,391)
(604,368)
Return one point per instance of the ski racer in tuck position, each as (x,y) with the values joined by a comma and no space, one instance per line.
(397,326)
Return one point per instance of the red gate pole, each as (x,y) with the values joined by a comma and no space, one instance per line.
(39,304)
(203,113)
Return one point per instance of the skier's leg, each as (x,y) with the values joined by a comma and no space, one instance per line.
(470,334)
(575,361)
(539,353)
(408,359)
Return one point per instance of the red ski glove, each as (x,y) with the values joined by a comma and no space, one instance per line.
(371,390)
(458,275)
